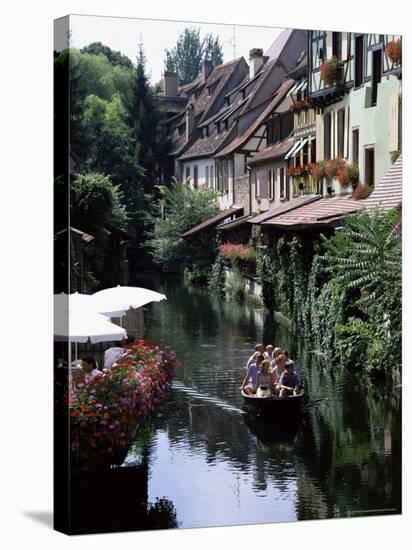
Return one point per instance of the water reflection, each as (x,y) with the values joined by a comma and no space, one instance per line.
(221,467)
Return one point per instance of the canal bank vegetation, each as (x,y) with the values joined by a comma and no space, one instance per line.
(179,209)
(346,298)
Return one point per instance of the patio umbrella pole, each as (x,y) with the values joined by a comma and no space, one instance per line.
(70,366)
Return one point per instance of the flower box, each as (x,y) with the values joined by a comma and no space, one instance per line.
(331,71)
(394,51)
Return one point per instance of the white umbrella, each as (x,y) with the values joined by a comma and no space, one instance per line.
(81,326)
(114,301)
(76,320)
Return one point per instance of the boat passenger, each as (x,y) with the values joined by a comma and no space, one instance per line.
(275,355)
(259,348)
(89,365)
(277,372)
(268,353)
(289,381)
(263,380)
(250,381)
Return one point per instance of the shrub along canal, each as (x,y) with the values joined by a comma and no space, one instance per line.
(203,462)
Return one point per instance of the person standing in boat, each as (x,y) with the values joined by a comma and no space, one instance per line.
(263,380)
(259,348)
(289,381)
(250,381)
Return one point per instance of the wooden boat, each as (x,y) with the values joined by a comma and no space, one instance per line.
(274,404)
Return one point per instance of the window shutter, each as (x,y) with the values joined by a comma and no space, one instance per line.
(346,137)
(393,122)
(329,44)
(263,184)
(345,38)
(319,138)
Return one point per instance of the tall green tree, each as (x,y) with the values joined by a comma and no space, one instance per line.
(191,50)
(179,209)
(115,57)
(151,147)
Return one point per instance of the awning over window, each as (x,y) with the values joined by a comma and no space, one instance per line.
(300,147)
(292,149)
(297,147)
(215,220)
(299,87)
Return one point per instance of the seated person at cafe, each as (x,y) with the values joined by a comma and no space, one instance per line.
(250,381)
(259,348)
(289,381)
(89,366)
(263,380)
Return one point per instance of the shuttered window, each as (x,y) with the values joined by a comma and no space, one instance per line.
(394,120)
(320,139)
(370,166)
(359,53)
(263,184)
(341,132)
(328,136)
(355,146)
(282,183)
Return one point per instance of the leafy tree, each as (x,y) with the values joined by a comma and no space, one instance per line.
(96,205)
(213,49)
(150,147)
(364,264)
(190,51)
(115,57)
(366,254)
(180,209)
(109,138)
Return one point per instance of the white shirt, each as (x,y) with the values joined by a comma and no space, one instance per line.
(111,355)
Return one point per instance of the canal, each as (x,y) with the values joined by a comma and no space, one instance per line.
(203,462)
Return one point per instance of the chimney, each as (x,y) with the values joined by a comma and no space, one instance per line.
(255,61)
(207,69)
(170,79)
(190,121)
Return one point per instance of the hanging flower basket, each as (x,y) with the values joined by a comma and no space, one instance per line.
(394,51)
(332,167)
(348,174)
(361,191)
(318,170)
(330,71)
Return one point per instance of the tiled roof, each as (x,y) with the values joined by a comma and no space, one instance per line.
(277,98)
(274,151)
(215,220)
(388,192)
(285,207)
(219,77)
(319,212)
(234,223)
(204,147)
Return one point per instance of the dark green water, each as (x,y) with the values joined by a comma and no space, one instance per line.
(204,462)
(217,466)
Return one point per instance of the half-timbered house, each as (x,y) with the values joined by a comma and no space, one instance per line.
(354,80)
